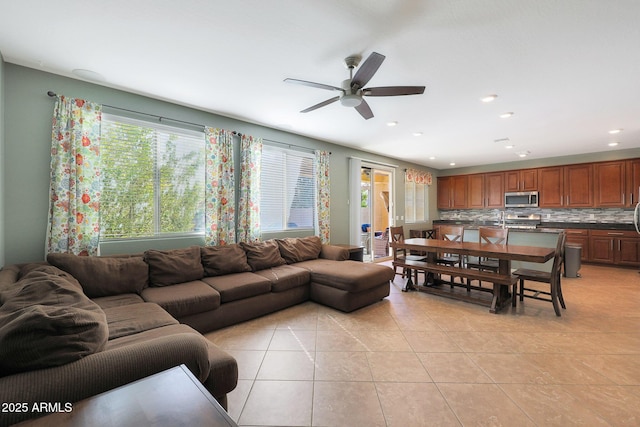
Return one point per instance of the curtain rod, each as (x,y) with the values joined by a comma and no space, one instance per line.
(52,94)
(160,118)
(290,145)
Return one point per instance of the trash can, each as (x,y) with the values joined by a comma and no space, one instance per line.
(572,263)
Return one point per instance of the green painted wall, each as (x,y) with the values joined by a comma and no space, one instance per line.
(27,134)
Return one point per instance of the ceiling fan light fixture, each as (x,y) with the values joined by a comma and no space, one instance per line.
(351,100)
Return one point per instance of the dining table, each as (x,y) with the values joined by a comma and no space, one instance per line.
(502,280)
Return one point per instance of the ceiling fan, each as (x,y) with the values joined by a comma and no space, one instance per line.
(353,90)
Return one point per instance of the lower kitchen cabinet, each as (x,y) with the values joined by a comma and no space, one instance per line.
(614,247)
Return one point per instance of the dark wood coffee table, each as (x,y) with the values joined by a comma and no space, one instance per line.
(172,398)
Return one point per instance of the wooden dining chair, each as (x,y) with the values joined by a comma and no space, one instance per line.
(552,278)
(400,254)
(452,233)
(487,235)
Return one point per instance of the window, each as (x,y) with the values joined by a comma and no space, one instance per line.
(415,202)
(152,179)
(287,190)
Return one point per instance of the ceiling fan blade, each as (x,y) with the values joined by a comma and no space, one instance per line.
(320,105)
(367,70)
(364,110)
(393,90)
(312,84)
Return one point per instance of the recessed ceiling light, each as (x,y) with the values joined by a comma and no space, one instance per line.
(432,158)
(391,124)
(509,146)
(417,134)
(489,98)
(613,144)
(92,76)
(452,164)
(615,131)
(506,115)
(523,153)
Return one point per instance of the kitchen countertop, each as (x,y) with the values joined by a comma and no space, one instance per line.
(578,225)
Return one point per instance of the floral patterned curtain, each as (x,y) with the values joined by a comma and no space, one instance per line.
(323,194)
(220,223)
(249,203)
(418,176)
(74,191)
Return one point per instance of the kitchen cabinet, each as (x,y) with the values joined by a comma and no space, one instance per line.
(494,190)
(610,184)
(521,180)
(632,169)
(615,247)
(579,236)
(578,186)
(550,187)
(452,192)
(566,186)
(475,195)
(485,190)
(617,183)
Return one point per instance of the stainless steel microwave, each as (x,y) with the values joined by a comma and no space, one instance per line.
(521,199)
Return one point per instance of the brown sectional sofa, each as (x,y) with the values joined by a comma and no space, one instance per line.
(103,322)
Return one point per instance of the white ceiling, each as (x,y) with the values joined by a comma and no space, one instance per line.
(568,69)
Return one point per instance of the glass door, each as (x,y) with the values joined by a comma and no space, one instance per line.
(376,212)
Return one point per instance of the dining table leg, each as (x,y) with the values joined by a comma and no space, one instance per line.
(501,292)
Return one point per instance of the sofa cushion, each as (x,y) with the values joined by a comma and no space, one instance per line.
(261,255)
(285,277)
(47,321)
(296,249)
(350,276)
(117,300)
(224,259)
(103,276)
(136,318)
(174,266)
(184,299)
(238,286)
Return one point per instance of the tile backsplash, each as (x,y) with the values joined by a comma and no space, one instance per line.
(548,215)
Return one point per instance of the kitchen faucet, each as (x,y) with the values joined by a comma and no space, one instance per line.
(502,218)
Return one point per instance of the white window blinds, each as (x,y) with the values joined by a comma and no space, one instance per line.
(287,188)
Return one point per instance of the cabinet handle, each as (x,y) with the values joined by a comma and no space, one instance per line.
(611,233)
(619,245)
(631,197)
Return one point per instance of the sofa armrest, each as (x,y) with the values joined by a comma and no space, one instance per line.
(335,253)
(103,371)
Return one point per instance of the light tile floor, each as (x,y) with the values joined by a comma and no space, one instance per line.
(419,360)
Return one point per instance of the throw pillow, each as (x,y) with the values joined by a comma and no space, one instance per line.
(225,259)
(174,266)
(47,321)
(262,255)
(104,276)
(297,249)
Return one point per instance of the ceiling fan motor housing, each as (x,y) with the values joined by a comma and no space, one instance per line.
(350,98)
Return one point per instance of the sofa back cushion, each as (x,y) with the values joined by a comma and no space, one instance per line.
(225,259)
(47,321)
(297,249)
(262,255)
(104,276)
(174,266)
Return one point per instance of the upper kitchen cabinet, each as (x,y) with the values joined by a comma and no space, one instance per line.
(578,186)
(632,169)
(485,190)
(521,180)
(452,192)
(610,184)
(550,186)
(617,183)
(566,186)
